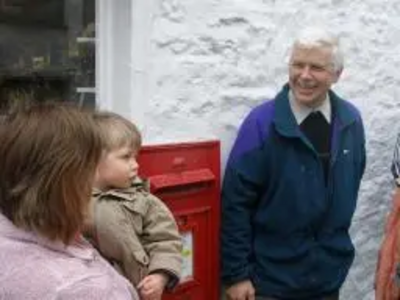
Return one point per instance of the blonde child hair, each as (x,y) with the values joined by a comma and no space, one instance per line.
(116,131)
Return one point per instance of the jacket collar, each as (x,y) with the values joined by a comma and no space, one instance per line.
(285,120)
(301,112)
(129,194)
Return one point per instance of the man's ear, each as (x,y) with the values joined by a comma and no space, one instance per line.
(337,74)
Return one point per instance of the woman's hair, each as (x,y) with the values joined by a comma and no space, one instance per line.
(311,37)
(116,131)
(48,157)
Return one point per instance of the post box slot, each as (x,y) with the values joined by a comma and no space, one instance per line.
(182,182)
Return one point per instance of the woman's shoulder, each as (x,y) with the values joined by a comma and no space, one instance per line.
(98,287)
(75,272)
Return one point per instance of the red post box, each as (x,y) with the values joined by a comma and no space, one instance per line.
(187,178)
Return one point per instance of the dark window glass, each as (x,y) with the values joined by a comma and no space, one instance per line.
(47,51)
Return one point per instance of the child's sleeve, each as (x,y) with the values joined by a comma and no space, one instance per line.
(162,241)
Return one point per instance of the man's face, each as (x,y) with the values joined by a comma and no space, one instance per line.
(311,74)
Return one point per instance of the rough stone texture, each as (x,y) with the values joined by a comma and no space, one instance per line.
(213,60)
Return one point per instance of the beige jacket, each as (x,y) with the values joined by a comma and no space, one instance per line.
(136,232)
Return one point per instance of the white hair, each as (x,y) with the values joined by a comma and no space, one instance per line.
(311,37)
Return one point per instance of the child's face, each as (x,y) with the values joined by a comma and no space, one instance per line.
(117,169)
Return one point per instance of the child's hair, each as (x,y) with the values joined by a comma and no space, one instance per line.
(116,131)
(48,157)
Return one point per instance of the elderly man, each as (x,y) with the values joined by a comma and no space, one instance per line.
(291,184)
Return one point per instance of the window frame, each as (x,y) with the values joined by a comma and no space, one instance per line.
(123,44)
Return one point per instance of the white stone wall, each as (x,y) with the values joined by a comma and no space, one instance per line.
(211,61)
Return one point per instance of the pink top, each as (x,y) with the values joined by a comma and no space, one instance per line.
(34,268)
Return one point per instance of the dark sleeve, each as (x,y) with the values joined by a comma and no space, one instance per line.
(396,162)
(363,151)
(243,181)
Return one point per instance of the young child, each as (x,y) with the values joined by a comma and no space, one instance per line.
(133,229)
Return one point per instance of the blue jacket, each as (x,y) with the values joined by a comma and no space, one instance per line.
(282,226)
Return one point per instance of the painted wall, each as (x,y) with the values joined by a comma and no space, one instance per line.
(211,61)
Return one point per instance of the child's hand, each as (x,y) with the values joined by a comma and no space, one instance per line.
(152,286)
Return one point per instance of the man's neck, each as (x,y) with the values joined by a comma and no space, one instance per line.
(301,111)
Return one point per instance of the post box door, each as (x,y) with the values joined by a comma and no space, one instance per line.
(186,177)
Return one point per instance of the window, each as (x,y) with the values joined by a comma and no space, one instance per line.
(47,51)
